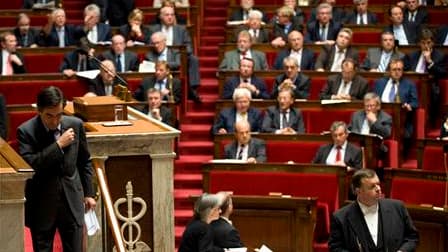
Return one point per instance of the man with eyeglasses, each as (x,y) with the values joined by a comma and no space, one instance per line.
(161,52)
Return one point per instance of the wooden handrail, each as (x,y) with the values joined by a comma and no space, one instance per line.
(98,165)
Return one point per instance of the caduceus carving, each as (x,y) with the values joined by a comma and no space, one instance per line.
(133,244)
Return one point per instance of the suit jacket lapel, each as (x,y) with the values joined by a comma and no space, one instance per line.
(358,225)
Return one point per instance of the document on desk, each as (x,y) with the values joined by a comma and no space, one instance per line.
(325,102)
(264,248)
(227,161)
(243,249)
(90,74)
(147,67)
(91,221)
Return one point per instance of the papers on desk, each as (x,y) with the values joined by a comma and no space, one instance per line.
(243,249)
(147,67)
(264,248)
(227,161)
(91,74)
(91,221)
(325,102)
(237,22)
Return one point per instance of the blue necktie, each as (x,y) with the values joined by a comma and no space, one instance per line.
(393,91)
(119,68)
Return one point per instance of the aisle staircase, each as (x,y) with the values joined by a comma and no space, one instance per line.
(196,146)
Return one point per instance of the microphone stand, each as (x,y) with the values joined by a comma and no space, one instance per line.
(445,205)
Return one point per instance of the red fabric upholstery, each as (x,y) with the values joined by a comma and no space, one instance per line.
(299,152)
(316,123)
(323,186)
(15,119)
(43,63)
(316,86)
(420,123)
(363,37)
(418,191)
(433,159)
(443,84)
(11,21)
(392,157)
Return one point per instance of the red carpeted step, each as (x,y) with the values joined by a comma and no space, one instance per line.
(182,197)
(195,132)
(198,118)
(209,61)
(209,86)
(190,163)
(212,40)
(183,216)
(213,30)
(207,105)
(187,181)
(215,21)
(208,51)
(196,147)
(209,72)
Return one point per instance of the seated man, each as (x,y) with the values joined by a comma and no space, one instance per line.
(324,29)
(405,33)
(246,79)
(258,32)
(415,13)
(224,233)
(240,112)
(331,56)
(285,24)
(371,120)
(377,59)
(337,12)
(57,32)
(300,82)
(244,147)
(442,35)
(340,152)
(105,82)
(231,60)
(124,60)
(95,31)
(283,118)
(160,51)
(304,56)
(11,61)
(155,109)
(361,15)
(26,35)
(77,61)
(242,13)
(346,85)
(162,80)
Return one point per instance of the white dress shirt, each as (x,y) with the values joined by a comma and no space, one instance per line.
(371,218)
(168,30)
(332,155)
(386,91)
(344,88)
(400,35)
(244,153)
(92,35)
(297,55)
(339,56)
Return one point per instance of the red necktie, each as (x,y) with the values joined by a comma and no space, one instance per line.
(338,153)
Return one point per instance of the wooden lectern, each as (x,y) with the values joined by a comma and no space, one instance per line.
(142,153)
(12,198)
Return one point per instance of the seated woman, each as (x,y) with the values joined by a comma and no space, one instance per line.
(198,236)
(134,31)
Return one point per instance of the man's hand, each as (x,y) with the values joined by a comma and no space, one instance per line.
(251,160)
(67,138)
(69,72)
(89,22)
(371,117)
(407,106)
(89,203)
(249,86)
(222,131)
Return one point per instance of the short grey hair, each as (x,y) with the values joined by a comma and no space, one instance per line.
(255,14)
(241,92)
(324,6)
(336,124)
(93,8)
(203,206)
(360,1)
(159,34)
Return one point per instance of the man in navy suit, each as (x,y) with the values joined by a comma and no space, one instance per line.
(331,56)
(324,29)
(372,223)
(432,61)
(361,15)
(395,89)
(286,23)
(244,147)
(283,118)
(415,13)
(61,189)
(300,83)
(295,49)
(258,32)
(246,79)
(340,152)
(405,33)
(26,36)
(242,111)
(161,52)
(155,109)
(57,33)
(124,60)
(224,233)
(95,31)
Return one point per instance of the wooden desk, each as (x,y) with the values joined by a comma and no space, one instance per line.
(283,224)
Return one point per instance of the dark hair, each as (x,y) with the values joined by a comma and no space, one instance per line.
(359,176)
(350,60)
(393,7)
(426,34)
(50,97)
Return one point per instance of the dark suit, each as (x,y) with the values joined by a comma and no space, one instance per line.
(411,31)
(32,37)
(271,120)
(306,63)
(71,60)
(421,18)
(3,118)
(225,234)
(238,15)
(302,83)
(337,14)
(71,36)
(165,113)
(352,18)
(145,38)
(263,34)
(382,126)
(327,56)
(198,236)
(349,231)
(61,180)
(172,57)
(437,70)
(150,82)
(313,34)
(231,60)
(97,85)
(358,88)
(257,150)
(16,68)
(373,58)
(227,118)
(352,156)
(118,11)
(131,62)
(278,30)
(441,34)
(234,82)
(104,32)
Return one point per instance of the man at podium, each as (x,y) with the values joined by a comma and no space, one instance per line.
(61,189)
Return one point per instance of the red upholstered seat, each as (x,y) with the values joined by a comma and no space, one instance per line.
(43,63)
(433,159)
(323,186)
(317,84)
(299,152)
(366,37)
(418,191)
(316,123)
